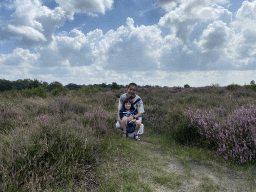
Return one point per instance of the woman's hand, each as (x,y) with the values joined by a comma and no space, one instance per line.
(132,121)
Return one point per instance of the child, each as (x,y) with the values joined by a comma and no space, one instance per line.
(129,126)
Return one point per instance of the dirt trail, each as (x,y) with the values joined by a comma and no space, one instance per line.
(204,177)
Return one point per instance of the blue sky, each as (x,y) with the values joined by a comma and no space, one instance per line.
(152,42)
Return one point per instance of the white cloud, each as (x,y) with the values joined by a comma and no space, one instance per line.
(129,48)
(85,6)
(214,37)
(18,64)
(74,49)
(27,32)
(19,58)
(184,18)
(33,22)
(247,10)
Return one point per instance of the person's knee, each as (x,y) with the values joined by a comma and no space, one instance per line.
(138,123)
(124,119)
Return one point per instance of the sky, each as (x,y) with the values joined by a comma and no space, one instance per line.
(149,42)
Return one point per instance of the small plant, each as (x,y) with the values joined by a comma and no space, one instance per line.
(186,86)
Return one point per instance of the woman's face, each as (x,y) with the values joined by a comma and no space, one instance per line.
(131,91)
(127,106)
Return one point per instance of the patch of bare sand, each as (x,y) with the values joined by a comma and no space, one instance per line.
(228,180)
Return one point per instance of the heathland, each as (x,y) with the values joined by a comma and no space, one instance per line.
(195,139)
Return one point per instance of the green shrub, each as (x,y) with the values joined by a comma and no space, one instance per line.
(65,91)
(26,92)
(14,91)
(87,89)
(39,91)
(233,87)
(56,91)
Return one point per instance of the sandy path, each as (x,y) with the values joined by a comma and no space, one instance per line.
(203,176)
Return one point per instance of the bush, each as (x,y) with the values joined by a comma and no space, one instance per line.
(186,86)
(39,91)
(26,92)
(114,86)
(87,89)
(235,134)
(56,91)
(233,87)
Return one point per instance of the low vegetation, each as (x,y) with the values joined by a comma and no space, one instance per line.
(66,140)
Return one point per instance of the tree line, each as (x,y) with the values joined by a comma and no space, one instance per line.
(6,85)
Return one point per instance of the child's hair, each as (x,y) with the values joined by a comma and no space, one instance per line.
(126,100)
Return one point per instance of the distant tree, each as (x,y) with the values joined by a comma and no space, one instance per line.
(72,86)
(27,82)
(34,84)
(115,86)
(54,85)
(5,85)
(45,85)
(186,86)
(19,84)
(104,85)
(252,82)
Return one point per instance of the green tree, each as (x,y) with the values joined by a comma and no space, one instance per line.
(72,86)
(115,86)
(186,86)
(5,85)
(54,85)
(34,84)
(104,85)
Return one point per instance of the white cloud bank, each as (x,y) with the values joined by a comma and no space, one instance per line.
(203,41)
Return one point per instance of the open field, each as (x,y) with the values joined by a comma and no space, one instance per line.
(195,139)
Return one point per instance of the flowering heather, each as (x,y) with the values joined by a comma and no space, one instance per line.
(98,120)
(235,133)
(9,118)
(64,105)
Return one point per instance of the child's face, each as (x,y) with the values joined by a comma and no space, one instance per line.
(127,105)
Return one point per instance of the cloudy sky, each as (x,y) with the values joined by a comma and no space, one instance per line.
(149,42)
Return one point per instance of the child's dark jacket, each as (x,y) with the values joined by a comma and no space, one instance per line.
(123,113)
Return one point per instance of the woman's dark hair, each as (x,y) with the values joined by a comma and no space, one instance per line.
(126,100)
(132,84)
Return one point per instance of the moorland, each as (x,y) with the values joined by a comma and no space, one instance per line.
(66,140)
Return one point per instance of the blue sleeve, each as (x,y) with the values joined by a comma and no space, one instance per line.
(135,112)
(121,114)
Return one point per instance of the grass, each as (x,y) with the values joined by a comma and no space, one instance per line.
(66,142)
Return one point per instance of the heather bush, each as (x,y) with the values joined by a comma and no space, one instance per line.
(233,87)
(9,118)
(235,134)
(175,89)
(46,153)
(98,120)
(64,105)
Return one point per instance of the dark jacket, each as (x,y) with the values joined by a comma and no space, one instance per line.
(123,113)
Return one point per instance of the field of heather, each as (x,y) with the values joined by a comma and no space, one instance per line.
(67,141)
